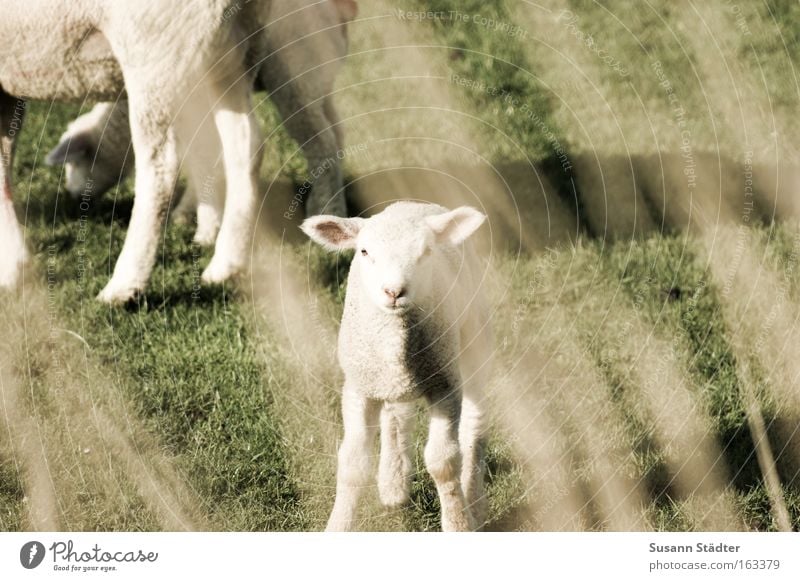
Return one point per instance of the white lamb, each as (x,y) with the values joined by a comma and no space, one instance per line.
(178,63)
(414,325)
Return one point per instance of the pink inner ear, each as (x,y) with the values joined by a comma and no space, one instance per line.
(334,233)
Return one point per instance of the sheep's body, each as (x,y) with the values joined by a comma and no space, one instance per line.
(58,54)
(183,65)
(434,344)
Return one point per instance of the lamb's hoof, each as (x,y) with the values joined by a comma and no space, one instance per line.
(458,523)
(205,238)
(394,494)
(339,526)
(219,270)
(118,294)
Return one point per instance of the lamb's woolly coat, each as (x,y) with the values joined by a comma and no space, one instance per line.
(398,358)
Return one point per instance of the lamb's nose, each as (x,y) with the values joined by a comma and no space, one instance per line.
(395,292)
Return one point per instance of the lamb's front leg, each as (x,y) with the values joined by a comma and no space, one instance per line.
(360,416)
(394,470)
(443,460)
(156,172)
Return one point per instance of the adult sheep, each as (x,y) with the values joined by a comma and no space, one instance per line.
(180,63)
(96,153)
(414,325)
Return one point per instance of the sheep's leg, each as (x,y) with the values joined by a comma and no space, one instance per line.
(241,151)
(443,460)
(13,254)
(360,416)
(313,126)
(156,172)
(205,174)
(185,211)
(312,129)
(394,470)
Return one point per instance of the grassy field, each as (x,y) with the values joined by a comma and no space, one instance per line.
(639,166)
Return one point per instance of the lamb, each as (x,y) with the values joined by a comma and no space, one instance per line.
(415,324)
(180,63)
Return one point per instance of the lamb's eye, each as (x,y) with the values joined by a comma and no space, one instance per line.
(364,252)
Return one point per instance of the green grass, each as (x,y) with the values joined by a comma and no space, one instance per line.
(207,397)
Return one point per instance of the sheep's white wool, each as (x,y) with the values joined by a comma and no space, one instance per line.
(414,325)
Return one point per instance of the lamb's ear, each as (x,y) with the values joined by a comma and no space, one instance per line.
(70,148)
(332,232)
(456,225)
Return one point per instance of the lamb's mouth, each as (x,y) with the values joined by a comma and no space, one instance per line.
(398,307)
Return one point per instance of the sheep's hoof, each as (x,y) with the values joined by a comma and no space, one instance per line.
(205,238)
(9,278)
(182,218)
(13,256)
(394,494)
(219,270)
(116,294)
(9,272)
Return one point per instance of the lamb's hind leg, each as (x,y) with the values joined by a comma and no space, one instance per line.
(443,460)
(394,470)
(13,254)
(353,472)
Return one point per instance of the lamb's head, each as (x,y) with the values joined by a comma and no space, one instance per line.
(398,252)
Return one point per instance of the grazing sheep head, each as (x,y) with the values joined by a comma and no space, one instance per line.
(396,250)
(84,170)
